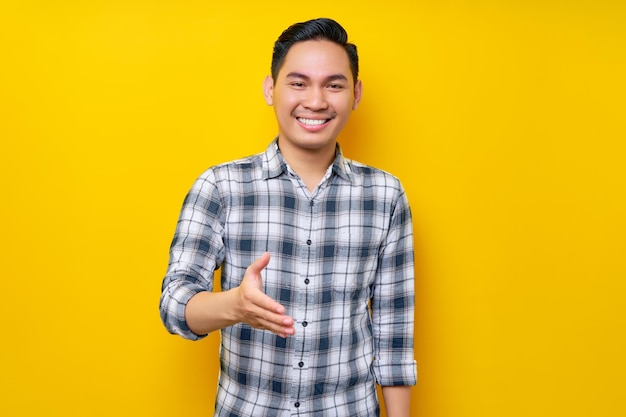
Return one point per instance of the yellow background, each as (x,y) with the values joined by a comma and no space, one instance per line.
(505,121)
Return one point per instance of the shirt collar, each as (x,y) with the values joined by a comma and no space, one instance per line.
(274,164)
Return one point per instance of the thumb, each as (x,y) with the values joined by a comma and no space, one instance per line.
(254,270)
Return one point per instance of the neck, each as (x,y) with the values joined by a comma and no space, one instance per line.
(309,164)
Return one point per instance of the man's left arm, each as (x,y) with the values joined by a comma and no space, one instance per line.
(397,401)
(393,312)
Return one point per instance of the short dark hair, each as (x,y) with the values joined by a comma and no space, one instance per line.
(316,29)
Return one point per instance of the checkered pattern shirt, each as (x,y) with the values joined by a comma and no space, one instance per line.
(341,264)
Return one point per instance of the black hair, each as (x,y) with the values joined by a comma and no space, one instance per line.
(316,29)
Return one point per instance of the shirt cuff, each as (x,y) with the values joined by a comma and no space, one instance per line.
(174,302)
(395,373)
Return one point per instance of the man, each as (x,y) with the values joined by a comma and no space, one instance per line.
(316,254)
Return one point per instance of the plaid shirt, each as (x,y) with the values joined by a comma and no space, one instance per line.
(341,264)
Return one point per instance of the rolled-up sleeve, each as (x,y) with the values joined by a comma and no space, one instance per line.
(393,302)
(196,251)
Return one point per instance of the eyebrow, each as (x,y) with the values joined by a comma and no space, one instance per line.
(333,77)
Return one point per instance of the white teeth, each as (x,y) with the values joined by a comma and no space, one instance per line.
(311,122)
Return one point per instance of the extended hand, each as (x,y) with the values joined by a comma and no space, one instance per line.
(256,308)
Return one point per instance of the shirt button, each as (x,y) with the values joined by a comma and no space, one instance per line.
(304,324)
(297,404)
(306,281)
(301,364)
(308,242)
(311,203)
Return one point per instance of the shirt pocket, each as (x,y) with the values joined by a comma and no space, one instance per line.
(355,258)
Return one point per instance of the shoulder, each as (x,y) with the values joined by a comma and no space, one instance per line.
(227,178)
(235,170)
(369,176)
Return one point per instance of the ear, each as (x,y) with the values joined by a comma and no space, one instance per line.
(358,92)
(268,90)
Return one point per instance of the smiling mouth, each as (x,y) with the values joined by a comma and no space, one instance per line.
(312,122)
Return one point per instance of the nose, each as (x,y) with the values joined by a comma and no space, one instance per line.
(316,99)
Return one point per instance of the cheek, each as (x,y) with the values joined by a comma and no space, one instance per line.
(285,104)
(343,106)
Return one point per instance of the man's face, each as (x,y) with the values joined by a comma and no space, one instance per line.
(313,95)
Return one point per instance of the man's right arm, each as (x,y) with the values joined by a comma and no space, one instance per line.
(189,307)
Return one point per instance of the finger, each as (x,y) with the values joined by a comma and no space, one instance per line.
(254,273)
(258,265)
(282,325)
(267,317)
(266,304)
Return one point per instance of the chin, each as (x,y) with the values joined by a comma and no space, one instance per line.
(316,144)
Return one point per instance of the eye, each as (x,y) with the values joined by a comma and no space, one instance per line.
(335,86)
(297,84)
